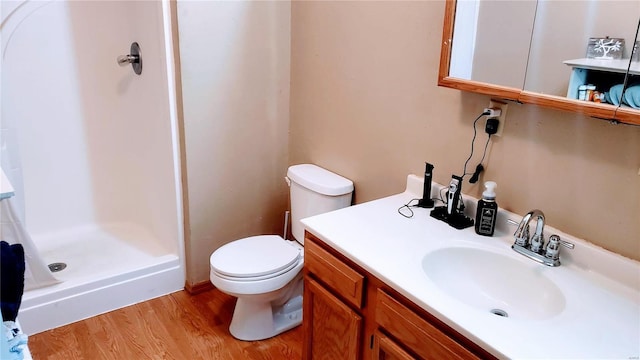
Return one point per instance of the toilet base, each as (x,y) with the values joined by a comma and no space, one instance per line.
(258,320)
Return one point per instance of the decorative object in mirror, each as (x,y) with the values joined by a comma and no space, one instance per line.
(605,48)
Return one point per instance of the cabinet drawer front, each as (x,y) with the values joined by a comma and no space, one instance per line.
(386,349)
(334,273)
(416,333)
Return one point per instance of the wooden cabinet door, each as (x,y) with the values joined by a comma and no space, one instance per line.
(385,349)
(332,330)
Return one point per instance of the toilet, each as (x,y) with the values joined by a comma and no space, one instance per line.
(264,271)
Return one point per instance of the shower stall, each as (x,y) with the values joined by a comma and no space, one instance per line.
(91,149)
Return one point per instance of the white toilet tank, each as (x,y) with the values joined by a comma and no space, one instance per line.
(314,191)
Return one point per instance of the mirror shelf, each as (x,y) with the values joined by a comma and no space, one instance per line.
(619,66)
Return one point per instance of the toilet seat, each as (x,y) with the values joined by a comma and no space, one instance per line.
(255,258)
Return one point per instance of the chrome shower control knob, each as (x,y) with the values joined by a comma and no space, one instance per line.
(124,60)
(134,58)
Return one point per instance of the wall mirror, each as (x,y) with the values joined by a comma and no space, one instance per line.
(535,52)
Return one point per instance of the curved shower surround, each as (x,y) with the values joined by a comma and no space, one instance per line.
(91,146)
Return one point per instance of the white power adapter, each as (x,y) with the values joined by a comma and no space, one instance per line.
(493,113)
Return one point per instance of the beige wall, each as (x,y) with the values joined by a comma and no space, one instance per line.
(364,103)
(234,59)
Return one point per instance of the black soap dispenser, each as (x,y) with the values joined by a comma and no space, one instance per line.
(487,210)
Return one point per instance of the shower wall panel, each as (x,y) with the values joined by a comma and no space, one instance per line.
(94,138)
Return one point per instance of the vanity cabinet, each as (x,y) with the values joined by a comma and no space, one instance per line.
(350,314)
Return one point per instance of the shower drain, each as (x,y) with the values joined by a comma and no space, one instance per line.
(55,267)
(499,312)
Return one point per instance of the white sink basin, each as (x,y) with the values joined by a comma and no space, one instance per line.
(494,283)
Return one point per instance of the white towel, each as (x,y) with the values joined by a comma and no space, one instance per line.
(37,273)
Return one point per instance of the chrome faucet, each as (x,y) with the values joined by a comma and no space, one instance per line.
(535,248)
(522,232)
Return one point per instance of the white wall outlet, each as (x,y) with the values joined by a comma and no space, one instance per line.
(494,104)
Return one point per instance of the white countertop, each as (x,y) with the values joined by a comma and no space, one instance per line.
(601,315)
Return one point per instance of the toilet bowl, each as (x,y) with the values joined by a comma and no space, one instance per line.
(264,271)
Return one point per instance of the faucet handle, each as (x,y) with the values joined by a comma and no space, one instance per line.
(523,238)
(553,247)
(566,244)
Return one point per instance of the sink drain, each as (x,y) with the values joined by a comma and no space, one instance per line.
(499,312)
(55,267)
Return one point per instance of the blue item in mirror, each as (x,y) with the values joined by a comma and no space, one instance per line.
(632,96)
(615,94)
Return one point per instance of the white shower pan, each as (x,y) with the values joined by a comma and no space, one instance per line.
(107,268)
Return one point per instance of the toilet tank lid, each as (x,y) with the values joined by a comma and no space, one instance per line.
(319,180)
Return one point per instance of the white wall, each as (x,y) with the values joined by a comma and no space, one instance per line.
(235,87)
(94,139)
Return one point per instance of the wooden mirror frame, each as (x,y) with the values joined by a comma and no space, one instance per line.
(593,109)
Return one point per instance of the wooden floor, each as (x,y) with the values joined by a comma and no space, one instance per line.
(176,326)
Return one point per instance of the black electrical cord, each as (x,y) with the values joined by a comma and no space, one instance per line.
(444,201)
(626,78)
(475,133)
(479,168)
(408,206)
(486,145)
